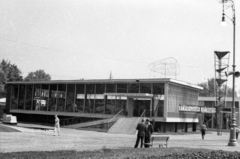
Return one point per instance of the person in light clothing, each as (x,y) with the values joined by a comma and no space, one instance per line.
(57,126)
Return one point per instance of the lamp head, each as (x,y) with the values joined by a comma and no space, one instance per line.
(223,22)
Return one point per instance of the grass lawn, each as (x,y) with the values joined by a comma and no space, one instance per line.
(4,128)
(151,153)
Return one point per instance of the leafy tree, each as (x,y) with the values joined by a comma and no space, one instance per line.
(8,72)
(208,89)
(38,75)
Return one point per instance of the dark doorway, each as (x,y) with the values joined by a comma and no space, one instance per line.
(139,106)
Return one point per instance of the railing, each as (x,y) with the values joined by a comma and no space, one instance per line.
(138,120)
(114,117)
(143,114)
(75,120)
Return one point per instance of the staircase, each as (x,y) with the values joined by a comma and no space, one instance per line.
(125,125)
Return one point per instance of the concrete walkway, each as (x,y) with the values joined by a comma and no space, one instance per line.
(70,139)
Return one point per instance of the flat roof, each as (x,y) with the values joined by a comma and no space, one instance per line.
(109,81)
(228,99)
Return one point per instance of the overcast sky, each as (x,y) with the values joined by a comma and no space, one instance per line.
(74,39)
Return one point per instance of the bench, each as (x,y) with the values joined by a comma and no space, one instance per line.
(159,140)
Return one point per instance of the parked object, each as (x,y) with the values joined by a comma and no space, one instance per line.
(9,119)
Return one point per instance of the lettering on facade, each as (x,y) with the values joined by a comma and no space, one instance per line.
(196,109)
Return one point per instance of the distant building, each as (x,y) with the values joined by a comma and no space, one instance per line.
(210,119)
(157,99)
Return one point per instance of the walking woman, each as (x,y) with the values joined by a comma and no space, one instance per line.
(57,126)
(203,130)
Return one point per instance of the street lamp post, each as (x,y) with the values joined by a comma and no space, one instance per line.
(232,140)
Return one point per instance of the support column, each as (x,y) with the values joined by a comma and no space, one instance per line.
(130,105)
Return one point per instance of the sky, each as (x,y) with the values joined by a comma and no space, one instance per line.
(75,39)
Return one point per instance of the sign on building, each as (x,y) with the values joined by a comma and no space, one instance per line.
(196,109)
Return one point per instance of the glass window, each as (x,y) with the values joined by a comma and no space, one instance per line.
(121,103)
(89,103)
(53,97)
(80,96)
(8,96)
(44,97)
(158,88)
(28,102)
(160,108)
(110,104)
(37,97)
(99,98)
(145,88)
(111,88)
(133,88)
(140,105)
(237,104)
(71,106)
(21,97)
(121,88)
(14,97)
(61,97)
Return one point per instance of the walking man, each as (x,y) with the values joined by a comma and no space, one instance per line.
(237,132)
(203,130)
(57,126)
(148,133)
(141,127)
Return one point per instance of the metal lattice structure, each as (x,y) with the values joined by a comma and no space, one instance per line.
(166,67)
(221,59)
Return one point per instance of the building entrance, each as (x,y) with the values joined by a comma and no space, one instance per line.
(141,105)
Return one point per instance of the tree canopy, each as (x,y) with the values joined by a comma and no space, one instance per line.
(8,72)
(38,75)
(208,89)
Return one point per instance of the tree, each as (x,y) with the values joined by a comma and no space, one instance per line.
(38,75)
(8,72)
(208,89)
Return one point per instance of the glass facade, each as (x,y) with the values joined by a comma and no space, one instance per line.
(85,98)
(70,104)
(89,96)
(80,97)
(53,97)
(61,97)
(29,95)
(14,97)
(100,99)
(44,100)
(21,97)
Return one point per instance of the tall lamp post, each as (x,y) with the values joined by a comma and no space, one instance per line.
(232,140)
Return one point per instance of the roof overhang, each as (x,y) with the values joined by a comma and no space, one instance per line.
(131,95)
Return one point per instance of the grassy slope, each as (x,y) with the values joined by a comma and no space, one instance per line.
(104,153)
(4,128)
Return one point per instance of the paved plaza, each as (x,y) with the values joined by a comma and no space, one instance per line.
(79,140)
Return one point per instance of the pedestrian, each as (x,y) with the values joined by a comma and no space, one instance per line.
(148,133)
(203,130)
(141,127)
(237,132)
(57,126)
